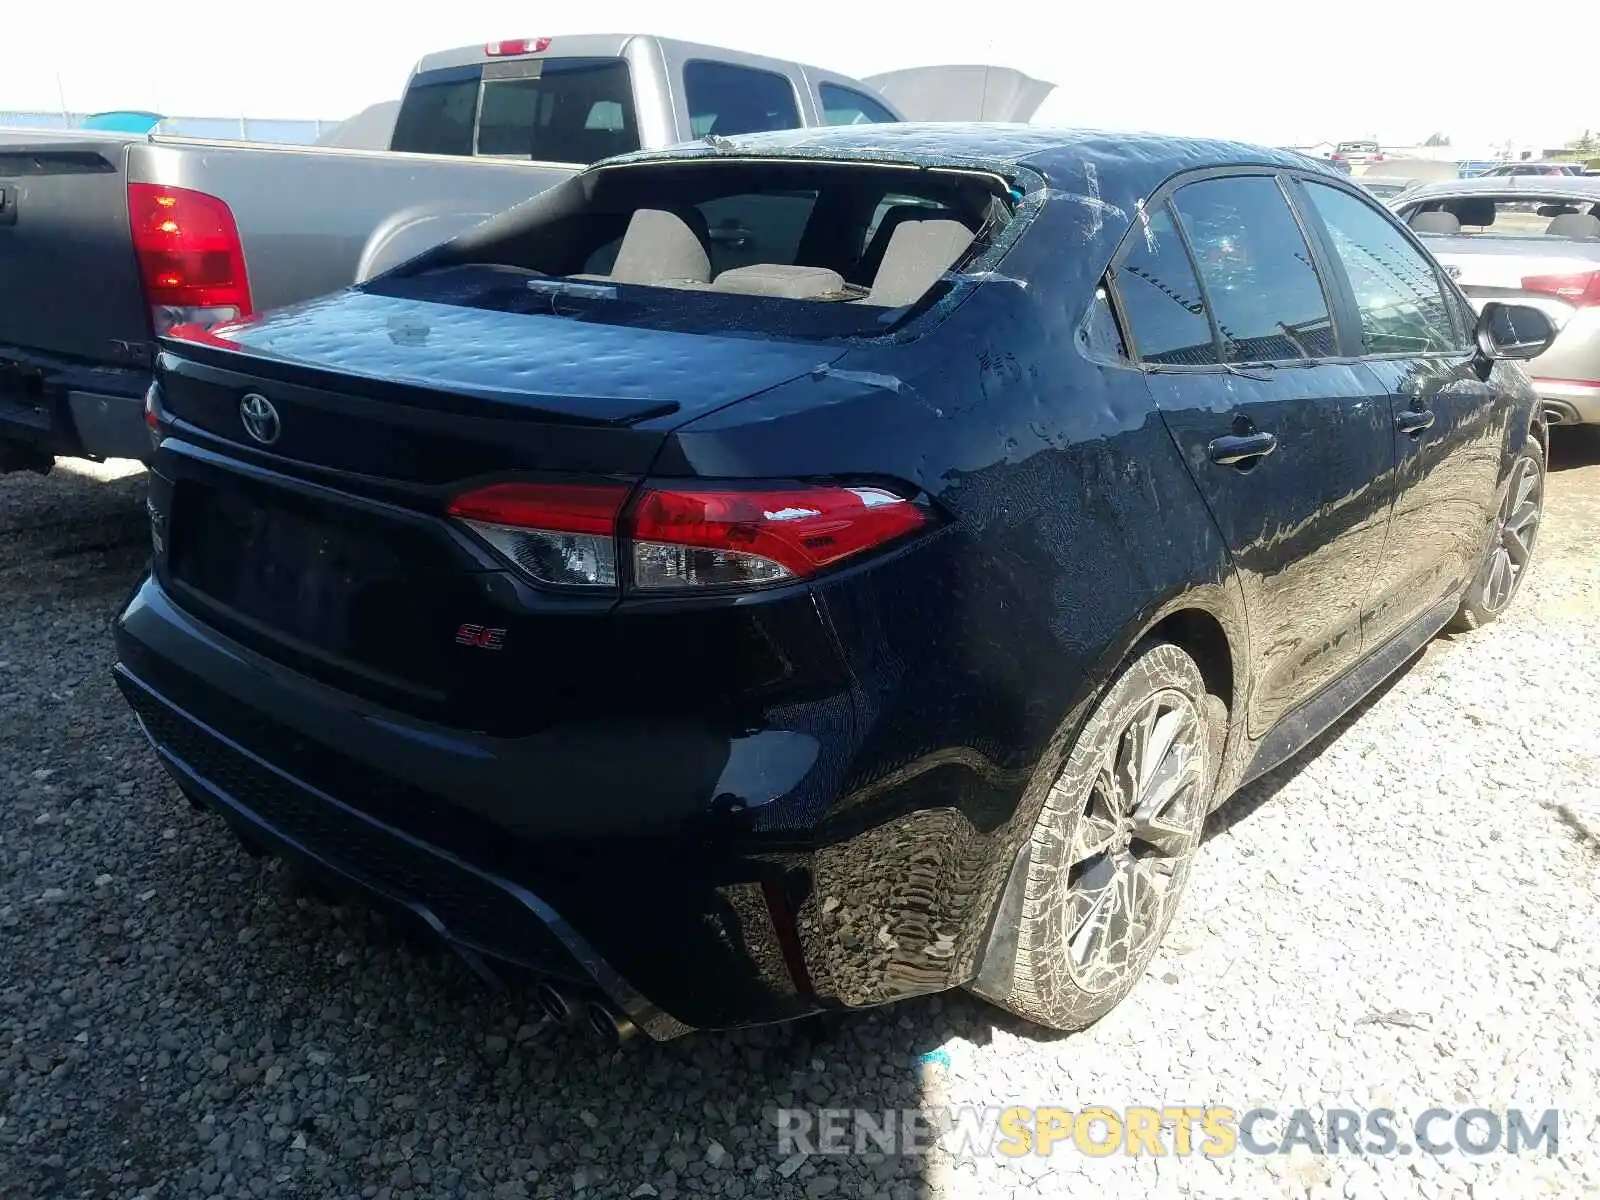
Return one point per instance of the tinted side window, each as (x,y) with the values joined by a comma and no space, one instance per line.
(725,100)
(1160,296)
(1099,333)
(1402,305)
(846,106)
(1257,269)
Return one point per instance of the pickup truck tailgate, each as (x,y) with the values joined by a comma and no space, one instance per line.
(69,285)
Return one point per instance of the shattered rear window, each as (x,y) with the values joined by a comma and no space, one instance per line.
(813,249)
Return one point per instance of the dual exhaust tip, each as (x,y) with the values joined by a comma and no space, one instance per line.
(565,1007)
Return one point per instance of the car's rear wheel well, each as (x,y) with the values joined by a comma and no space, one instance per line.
(1201,635)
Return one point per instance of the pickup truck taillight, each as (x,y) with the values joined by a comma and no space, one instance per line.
(191,261)
(683,538)
(1580,288)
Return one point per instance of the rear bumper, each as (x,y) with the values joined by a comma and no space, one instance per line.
(1568,401)
(475,912)
(69,409)
(693,920)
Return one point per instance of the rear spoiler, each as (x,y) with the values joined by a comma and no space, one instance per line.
(962,93)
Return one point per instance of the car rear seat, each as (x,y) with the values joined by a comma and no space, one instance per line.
(658,249)
(777,279)
(661,249)
(1435,222)
(1574,225)
(919,252)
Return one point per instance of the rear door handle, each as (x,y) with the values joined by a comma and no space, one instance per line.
(1412,422)
(1234,449)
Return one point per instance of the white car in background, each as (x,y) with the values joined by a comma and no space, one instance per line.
(1357,154)
(1532,240)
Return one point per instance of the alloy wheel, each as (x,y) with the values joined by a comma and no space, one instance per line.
(1519,526)
(1134,840)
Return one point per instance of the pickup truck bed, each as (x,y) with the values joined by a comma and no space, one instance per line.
(107,240)
(75,329)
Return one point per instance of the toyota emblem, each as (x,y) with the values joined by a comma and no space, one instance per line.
(260,418)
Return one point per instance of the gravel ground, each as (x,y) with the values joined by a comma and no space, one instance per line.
(1403,917)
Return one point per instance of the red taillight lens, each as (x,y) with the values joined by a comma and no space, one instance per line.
(191,261)
(1581,288)
(732,538)
(152,413)
(517,46)
(682,539)
(562,534)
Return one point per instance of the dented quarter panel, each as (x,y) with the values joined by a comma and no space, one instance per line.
(1072,528)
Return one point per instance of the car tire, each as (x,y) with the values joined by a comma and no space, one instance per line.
(1510,551)
(1109,859)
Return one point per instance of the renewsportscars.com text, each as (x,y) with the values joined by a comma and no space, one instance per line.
(1178,1130)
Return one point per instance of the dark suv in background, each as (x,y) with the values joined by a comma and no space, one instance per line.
(809,570)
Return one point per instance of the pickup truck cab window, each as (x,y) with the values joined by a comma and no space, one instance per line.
(1397,290)
(1257,269)
(725,100)
(846,106)
(576,110)
(438,112)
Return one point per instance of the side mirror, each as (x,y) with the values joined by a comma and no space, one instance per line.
(1515,331)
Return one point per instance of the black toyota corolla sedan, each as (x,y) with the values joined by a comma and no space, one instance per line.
(819,568)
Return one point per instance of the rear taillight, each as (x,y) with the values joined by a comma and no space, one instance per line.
(699,537)
(693,538)
(1580,288)
(1583,383)
(562,534)
(191,261)
(152,414)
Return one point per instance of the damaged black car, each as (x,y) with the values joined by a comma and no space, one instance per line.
(813,569)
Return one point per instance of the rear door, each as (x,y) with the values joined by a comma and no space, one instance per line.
(1289,447)
(1449,429)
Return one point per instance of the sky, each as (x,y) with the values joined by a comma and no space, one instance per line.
(1248,69)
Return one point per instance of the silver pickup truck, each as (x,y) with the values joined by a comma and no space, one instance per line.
(109,239)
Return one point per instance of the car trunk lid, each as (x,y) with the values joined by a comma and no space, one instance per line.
(323,540)
(1528,270)
(418,392)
